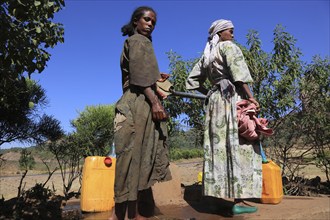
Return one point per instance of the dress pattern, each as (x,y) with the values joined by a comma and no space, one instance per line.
(232,165)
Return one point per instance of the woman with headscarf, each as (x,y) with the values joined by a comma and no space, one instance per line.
(140,122)
(232,165)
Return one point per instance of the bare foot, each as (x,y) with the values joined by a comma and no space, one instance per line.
(140,217)
(113,215)
(243,203)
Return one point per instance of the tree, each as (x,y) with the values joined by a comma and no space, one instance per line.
(276,86)
(276,75)
(68,154)
(183,110)
(185,138)
(93,136)
(27,31)
(314,93)
(26,163)
(21,121)
(286,147)
(94,129)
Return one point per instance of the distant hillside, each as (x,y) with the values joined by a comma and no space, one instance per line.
(10,163)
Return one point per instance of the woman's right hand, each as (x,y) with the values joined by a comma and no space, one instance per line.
(158,112)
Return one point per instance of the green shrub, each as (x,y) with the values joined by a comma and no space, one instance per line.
(178,153)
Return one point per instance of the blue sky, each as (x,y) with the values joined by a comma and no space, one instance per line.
(84,70)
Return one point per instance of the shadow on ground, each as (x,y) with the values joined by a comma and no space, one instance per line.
(208,205)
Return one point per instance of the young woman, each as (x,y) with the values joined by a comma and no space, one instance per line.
(140,127)
(232,166)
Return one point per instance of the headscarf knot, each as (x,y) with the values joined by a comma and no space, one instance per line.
(213,39)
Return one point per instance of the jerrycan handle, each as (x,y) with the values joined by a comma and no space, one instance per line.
(110,156)
(112,152)
(263,155)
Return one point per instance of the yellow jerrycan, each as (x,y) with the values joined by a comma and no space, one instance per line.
(272,187)
(97,190)
(200,177)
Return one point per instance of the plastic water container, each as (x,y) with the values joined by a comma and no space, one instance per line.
(200,177)
(97,190)
(272,188)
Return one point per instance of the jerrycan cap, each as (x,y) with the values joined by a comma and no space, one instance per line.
(108,161)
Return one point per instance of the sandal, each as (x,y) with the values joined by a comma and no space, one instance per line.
(237,209)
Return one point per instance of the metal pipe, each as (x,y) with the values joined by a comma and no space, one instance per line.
(187,94)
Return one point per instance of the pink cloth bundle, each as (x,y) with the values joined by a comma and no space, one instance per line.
(249,126)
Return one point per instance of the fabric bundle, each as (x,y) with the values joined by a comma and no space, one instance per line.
(249,126)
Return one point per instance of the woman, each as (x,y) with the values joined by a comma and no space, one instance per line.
(140,127)
(233,166)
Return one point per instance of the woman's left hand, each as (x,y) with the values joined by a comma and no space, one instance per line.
(256,103)
(161,94)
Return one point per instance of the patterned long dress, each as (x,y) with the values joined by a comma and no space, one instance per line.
(232,165)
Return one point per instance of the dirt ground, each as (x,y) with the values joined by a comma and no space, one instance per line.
(181,198)
(9,180)
(191,205)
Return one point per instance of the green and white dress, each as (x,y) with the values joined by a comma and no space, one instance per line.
(232,166)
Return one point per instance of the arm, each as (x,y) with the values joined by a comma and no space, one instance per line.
(245,87)
(239,69)
(197,78)
(144,72)
(157,110)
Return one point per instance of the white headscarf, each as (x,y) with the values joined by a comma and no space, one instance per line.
(216,26)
